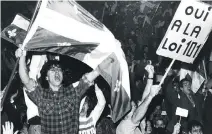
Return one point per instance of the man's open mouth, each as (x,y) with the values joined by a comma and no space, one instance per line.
(57,77)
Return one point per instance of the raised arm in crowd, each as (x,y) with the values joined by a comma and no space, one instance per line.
(130,124)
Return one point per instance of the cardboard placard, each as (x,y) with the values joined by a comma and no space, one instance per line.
(188,31)
(181,112)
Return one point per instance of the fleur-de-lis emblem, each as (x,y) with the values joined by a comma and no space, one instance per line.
(12,33)
(118,85)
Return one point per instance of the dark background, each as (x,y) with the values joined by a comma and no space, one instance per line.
(135,24)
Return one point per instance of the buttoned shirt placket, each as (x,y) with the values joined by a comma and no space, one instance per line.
(57,99)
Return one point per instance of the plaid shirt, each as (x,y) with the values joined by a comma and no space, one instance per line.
(59,111)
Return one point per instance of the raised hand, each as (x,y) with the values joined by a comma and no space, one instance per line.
(19,52)
(8,128)
(176,128)
(150,70)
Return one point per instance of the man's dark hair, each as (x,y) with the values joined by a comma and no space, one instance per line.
(176,80)
(46,67)
(185,79)
(194,123)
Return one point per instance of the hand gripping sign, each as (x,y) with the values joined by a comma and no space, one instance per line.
(187,33)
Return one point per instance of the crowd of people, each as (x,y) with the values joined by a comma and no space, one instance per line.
(56,102)
(72,109)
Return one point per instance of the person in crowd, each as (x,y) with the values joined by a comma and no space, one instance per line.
(194,127)
(176,129)
(207,112)
(137,82)
(34,125)
(25,130)
(8,128)
(58,105)
(146,53)
(14,109)
(130,124)
(159,125)
(4,116)
(89,116)
(105,124)
(156,112)
(171,81)
(149,127)
(186,99)
(35,65)
(34,129)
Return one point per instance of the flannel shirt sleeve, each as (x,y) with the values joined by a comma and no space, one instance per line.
(35,95)
(83,86)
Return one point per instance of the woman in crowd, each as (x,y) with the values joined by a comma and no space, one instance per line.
(89,116)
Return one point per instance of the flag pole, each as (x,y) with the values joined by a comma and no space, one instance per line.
(205,72)
(14,72)
(34,14)
(180,120)
(167,71)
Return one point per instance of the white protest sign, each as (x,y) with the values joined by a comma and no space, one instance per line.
(188,31)
(163,113)
(182,112)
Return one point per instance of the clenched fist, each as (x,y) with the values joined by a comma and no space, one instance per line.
(150,70)
(19,52)
(176,128)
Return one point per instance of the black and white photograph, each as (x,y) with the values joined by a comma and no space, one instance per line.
(106,67)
